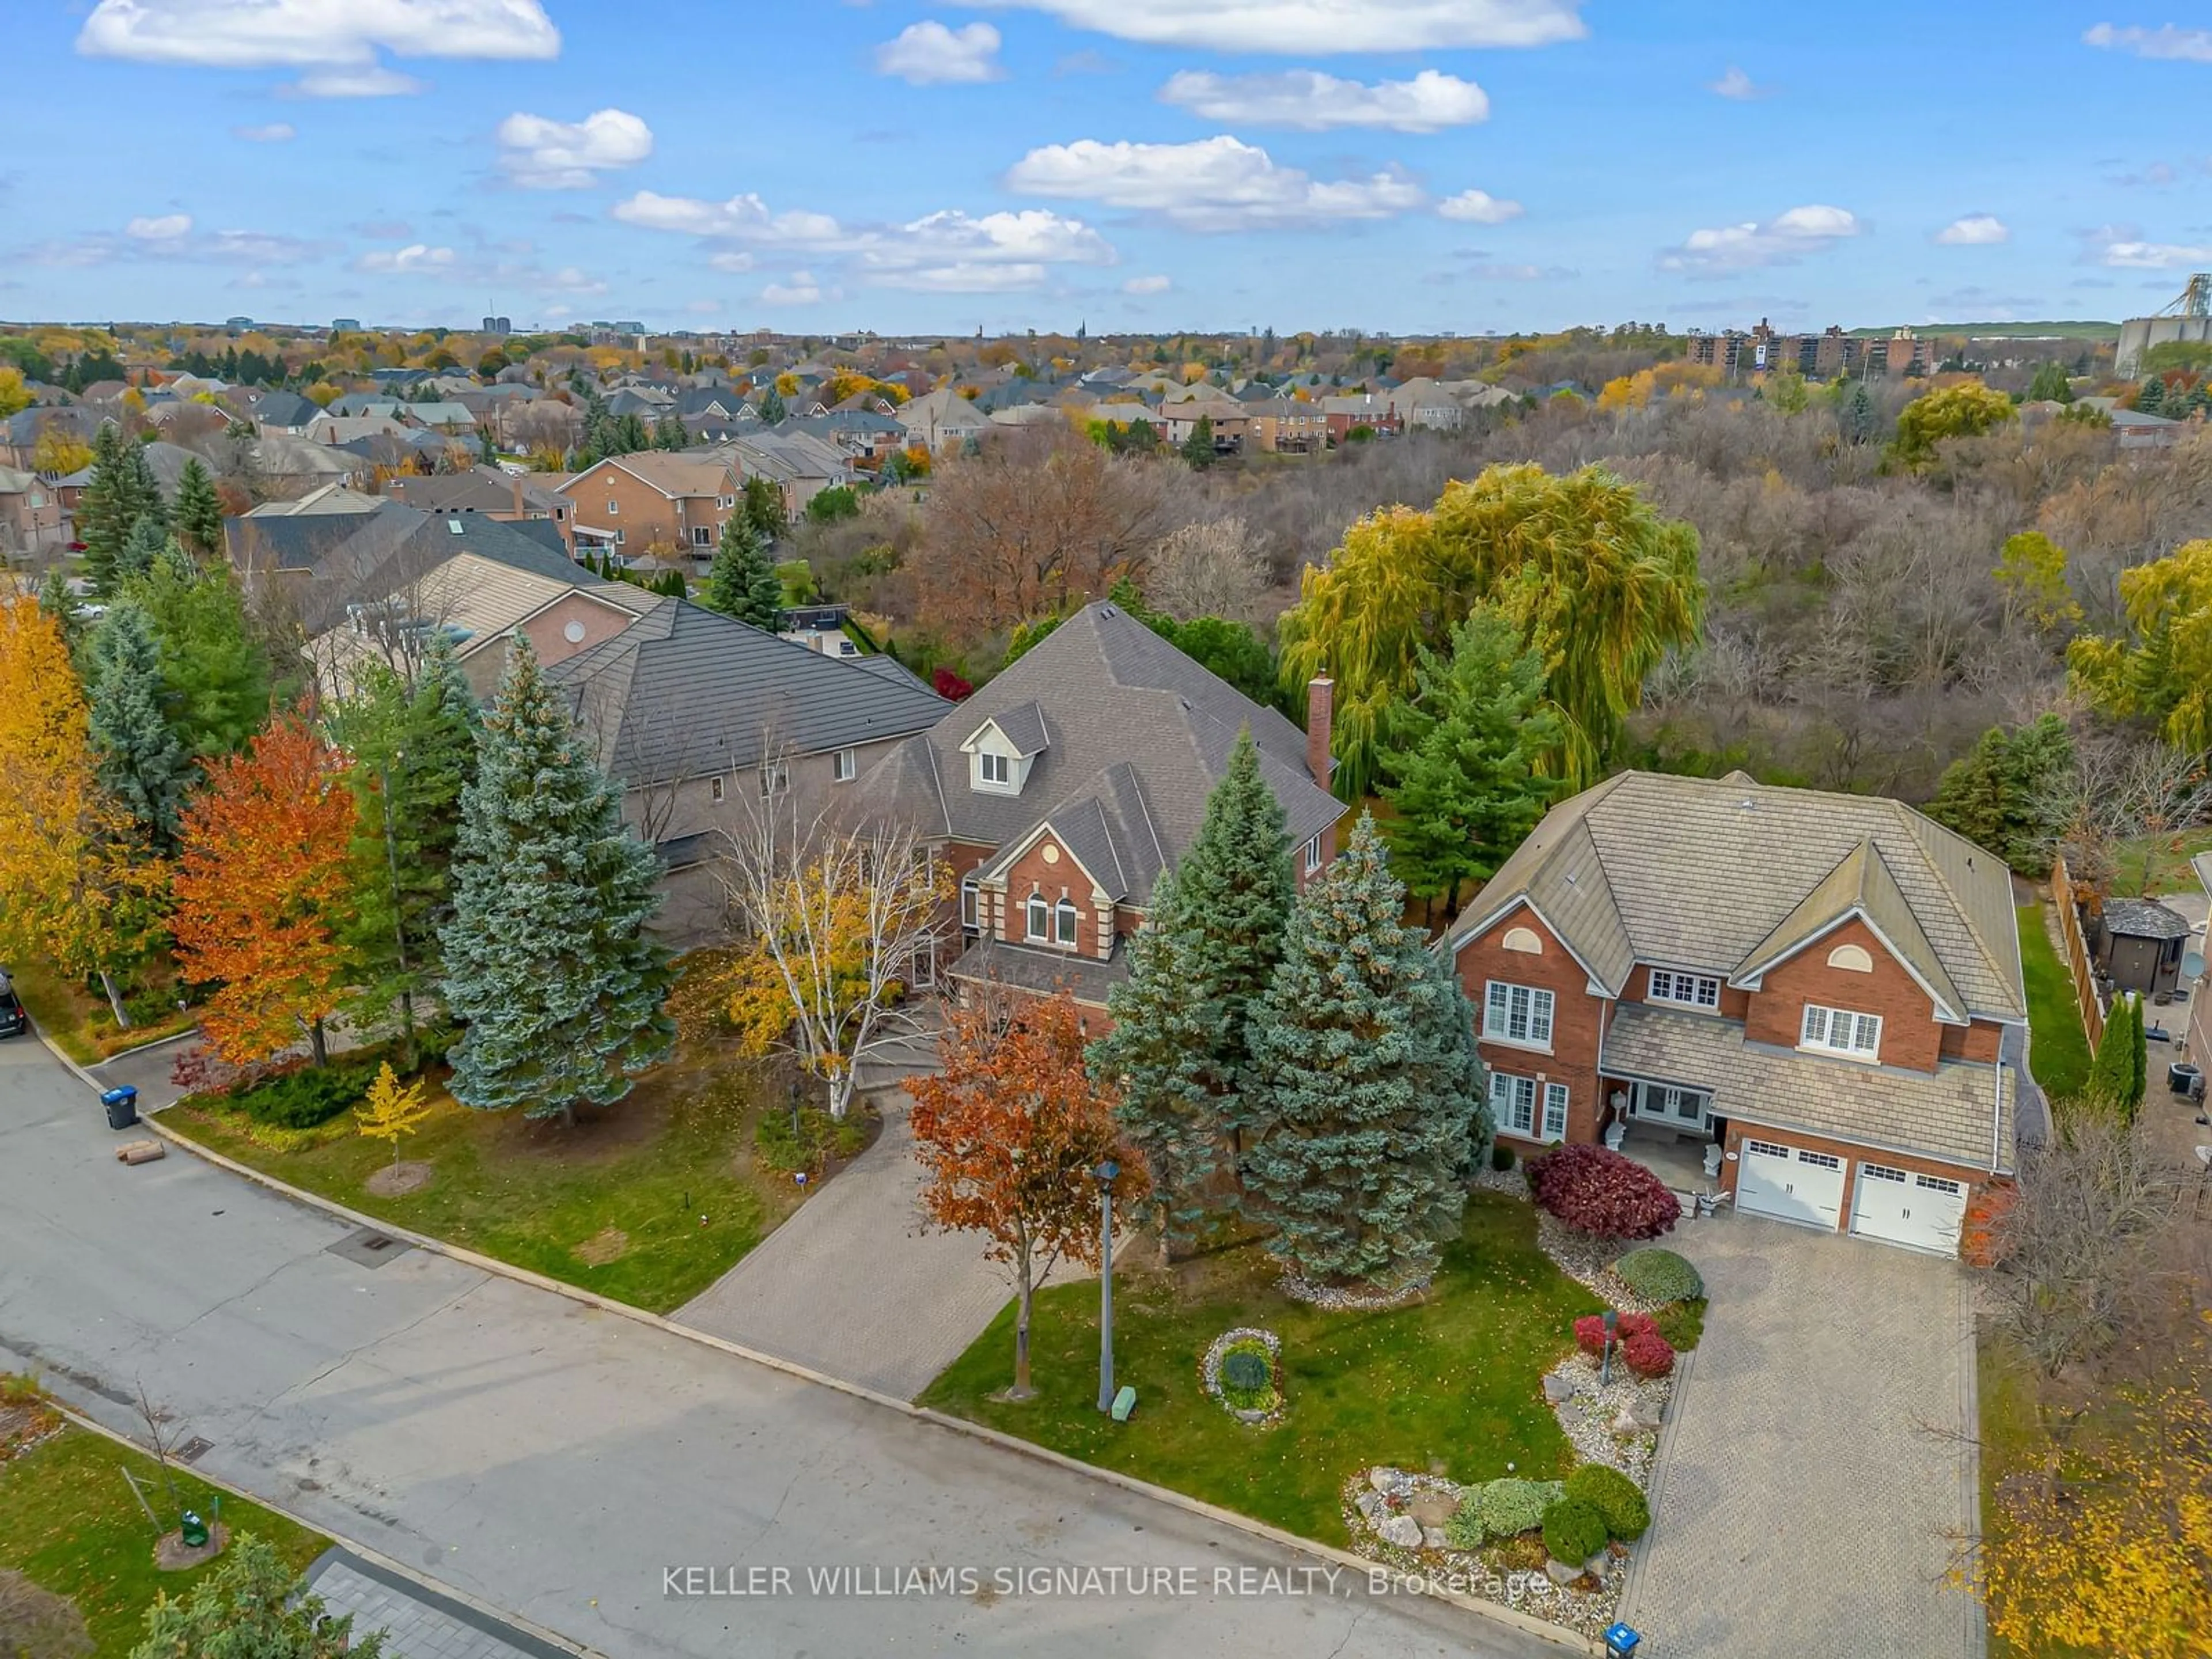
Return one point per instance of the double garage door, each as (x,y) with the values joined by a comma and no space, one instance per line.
(1794,1184)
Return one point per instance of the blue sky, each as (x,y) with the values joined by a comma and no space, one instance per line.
(807,165)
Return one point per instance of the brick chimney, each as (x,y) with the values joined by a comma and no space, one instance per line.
(515,479)
(1320,713)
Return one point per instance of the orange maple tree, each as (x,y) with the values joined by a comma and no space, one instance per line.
(261,884)
(1009,1132)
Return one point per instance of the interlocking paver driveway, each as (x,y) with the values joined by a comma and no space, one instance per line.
(1816,1470)
(853,1285)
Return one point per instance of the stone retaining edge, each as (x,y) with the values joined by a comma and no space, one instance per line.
(430,1586)
(1526,1623)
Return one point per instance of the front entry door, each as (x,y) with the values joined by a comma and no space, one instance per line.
(1687,1109)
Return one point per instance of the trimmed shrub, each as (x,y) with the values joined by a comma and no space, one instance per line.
(1245,1370)
(1504,1508)
(1589,1331)
(1619,1501)
(1573,1531)
(1659,1275)
(820,1139)
(1648,1354)
(1682,1323)
(1501,1157)
(307,1097)
(1598,1191)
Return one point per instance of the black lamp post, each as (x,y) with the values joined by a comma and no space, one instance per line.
(1605,1364)
(1103,1174)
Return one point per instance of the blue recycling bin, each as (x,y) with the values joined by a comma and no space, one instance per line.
(121,1107)
(1620,1642)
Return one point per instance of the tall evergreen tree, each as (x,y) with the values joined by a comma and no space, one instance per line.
(1460,770)
(2003,794)
(770,407)
(547,958)
(1179,1051)
(142,549)
(742,583)
(2118,1061)
(763,507)
(56,599)
(199,510)
(1858,418)
(1366,1102)
(120,492)
(139,759)
(414,751)
(218,676)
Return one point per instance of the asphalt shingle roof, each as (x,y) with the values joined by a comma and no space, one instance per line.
(687,692)
(2144,919)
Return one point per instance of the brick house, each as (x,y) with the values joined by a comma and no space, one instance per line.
(655,500)
(1817,997)
(1061,790)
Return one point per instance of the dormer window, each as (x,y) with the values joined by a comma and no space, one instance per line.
(995,769)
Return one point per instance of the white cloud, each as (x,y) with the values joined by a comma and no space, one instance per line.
(1975,230)
(1478,207)
(1487,272)
(370,81)
(1219,183)
(334,42)
(167,227)
(417,258)
(1781,239)
(800,290)
(1313,101)
(540,154)
(1321,26)
(2194,45)
(928,54)
(2120,248)
(1735,84)
(1147,285)
(943,251)
(276,132)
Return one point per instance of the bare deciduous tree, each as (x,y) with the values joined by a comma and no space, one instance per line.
(1213,567)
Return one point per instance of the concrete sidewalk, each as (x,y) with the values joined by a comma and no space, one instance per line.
(854,1284)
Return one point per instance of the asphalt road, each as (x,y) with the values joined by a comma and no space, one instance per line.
(556,1461)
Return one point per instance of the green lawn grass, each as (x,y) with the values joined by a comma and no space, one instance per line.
(2057,1048)
(1450,1385)
(69,1524)
(2151,864)
(648,1201)
(82,1026)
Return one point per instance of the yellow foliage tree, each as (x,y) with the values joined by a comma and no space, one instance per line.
(393,1110)
(2164,670)
(59,454)
(15,394)
(2031,573)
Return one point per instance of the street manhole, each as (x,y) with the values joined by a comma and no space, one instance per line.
(369,1247)
(193,1449)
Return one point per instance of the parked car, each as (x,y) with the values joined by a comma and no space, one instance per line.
(13,1022)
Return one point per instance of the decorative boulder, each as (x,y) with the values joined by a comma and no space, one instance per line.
(1403,1531)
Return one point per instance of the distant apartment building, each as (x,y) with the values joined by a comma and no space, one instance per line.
(345,325)
(1817,356)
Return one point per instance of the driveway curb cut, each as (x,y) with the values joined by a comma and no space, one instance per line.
(1525,1624)
(430,1586)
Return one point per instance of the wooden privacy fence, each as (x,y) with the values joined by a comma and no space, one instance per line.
(2068,913)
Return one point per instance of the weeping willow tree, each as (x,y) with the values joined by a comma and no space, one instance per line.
(1599,585)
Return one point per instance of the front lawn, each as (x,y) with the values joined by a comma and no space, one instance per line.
(648,1201)
(1451,1385)
(69,1523)
(2057,1048)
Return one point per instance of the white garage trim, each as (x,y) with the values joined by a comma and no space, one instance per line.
(1902,1206)
(1790,1183)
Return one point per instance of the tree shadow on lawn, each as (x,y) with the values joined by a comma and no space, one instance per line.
(1450,1384)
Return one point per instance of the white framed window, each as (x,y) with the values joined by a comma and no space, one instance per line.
(1555,1111)
(614,508)
(1840,1031)
(1312,858)
(1938,1184)
(971,904)
(620,537)
(1766,1148)
(715,790)
(1063,922)
(843,766)
(995,769)
(1687,990)
(1040,919)
(775,777)
(1516,1013)
(702,536)
(1513,1103)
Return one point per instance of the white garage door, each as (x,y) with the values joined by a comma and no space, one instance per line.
(1921,1211)
(1789,1184)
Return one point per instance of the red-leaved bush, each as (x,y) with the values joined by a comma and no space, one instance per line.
(947,683)
(1595,1190)
(1648,1354)
(1589,1331)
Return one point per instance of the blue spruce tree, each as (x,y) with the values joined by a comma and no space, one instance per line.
(140,761)
(1365,1106)
(547,959)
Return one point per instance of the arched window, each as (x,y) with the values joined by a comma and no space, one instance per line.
(1523,939)
(1064,922)
(1852,958)
(1040,919)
